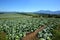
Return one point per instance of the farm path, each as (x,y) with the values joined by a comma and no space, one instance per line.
(33,35)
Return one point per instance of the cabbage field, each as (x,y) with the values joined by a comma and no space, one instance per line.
(16,26)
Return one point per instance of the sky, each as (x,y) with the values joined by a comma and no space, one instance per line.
(29,5)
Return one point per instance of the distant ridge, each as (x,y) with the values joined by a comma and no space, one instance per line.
(48,12)
(37,12)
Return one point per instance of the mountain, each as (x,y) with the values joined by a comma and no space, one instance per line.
(48,12)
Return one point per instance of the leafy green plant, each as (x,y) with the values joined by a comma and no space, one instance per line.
(17,28)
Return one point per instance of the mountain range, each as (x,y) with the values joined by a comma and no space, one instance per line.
(38,12)
(48,12)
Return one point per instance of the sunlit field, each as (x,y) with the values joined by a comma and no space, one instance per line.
(16,26)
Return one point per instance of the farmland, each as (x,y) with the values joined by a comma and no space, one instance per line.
(16,26)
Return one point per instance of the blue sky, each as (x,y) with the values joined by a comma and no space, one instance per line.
(29,5)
